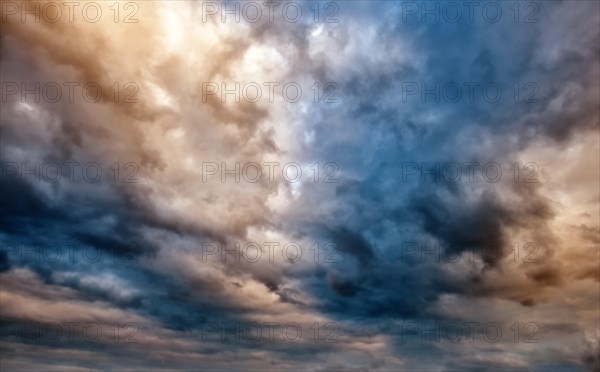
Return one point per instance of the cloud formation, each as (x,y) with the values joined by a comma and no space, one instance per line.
(148,239)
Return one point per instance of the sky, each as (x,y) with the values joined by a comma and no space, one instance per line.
(307,186)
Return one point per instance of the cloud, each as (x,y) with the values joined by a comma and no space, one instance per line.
(151,234)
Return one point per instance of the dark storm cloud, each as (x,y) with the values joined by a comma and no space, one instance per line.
(376,209)
(444,210)
(353,244)
(30,215)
